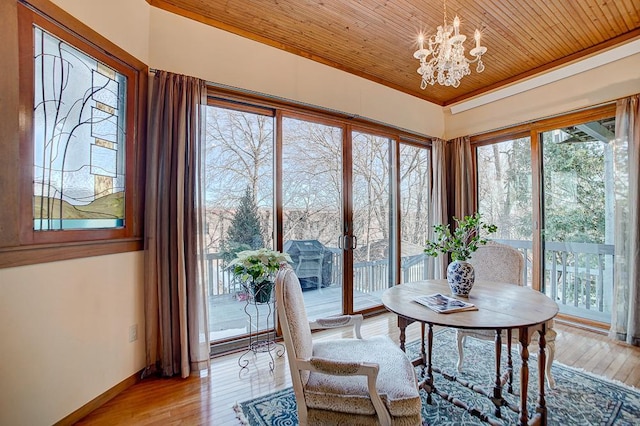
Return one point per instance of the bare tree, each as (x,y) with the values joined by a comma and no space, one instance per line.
(415,183)
(239,155)
(312,181)
(240,151)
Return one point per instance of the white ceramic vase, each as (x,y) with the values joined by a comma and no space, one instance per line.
(460,276)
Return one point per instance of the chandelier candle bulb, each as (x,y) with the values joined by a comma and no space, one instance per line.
(476,35)
(456,24)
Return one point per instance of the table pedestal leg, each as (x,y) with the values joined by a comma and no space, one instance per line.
(541,409)
(524,375)
(428,382)
(402,325)
(509,363)
(423,350)
(497,388)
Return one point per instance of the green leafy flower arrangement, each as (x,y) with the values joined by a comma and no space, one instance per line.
(257,265)
(463,241)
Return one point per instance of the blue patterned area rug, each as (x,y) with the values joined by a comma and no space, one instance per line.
(579,398)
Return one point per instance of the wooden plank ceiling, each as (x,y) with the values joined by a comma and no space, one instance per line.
(375,39)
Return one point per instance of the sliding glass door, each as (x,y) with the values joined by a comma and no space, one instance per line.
(372,211)
(340,216)
(415,197)
(578,217)
(239,209)
(312,216)
(348,205)
(553,195)
(505,194)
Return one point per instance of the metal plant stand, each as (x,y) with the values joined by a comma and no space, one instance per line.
(260,341)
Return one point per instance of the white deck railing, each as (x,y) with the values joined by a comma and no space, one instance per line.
(578,276)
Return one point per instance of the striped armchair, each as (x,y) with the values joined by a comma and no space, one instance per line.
(343,381)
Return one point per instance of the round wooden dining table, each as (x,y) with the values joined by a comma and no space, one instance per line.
(501,307)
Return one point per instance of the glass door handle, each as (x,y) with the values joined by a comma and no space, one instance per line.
(347,242)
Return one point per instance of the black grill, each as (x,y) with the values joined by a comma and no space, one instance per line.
(312,261)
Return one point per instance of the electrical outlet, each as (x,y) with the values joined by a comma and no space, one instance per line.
(133,333)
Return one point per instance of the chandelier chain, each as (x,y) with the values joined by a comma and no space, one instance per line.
(444,6)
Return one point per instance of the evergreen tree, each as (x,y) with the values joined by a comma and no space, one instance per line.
(574,191)
(245,232)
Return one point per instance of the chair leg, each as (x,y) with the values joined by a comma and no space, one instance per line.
(551,351)
(461,339)
(302,417)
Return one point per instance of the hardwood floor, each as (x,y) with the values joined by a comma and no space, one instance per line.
(209,400)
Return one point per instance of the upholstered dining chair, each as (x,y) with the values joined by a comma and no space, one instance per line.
(343,381)
(501,263)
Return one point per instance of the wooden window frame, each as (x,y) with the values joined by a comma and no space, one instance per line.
(25,245)
(262,104)
(534,131)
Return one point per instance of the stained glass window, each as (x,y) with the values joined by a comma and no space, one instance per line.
(79,139)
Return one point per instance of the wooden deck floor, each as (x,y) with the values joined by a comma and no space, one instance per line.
(227,316)
(209,400)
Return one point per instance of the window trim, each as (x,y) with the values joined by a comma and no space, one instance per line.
(238,100)
(24,245)
(534,131)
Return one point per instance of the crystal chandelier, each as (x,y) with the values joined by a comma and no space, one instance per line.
(444,60)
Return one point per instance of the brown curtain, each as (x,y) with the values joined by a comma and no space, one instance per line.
(625,315)
(438,205)
(176,317)
(461,177)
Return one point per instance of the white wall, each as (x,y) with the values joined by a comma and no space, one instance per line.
(123,22)
(64,326)
(602,84)
(65,334)
(218,56)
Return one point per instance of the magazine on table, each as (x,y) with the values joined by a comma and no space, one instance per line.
(444,304)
